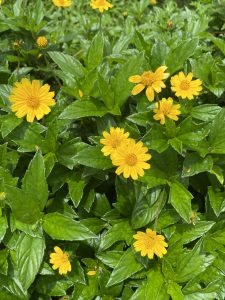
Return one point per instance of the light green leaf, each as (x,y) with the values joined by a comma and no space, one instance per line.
(61,227)
(80,109)
(155,288)
(180,198)
(217,136)
(95,52)
(217,200)
(205,112)
(174,290)
(34,182)
(29,255)
(9,123)
(76,190)
(94,158)
(194,164)
(126,267)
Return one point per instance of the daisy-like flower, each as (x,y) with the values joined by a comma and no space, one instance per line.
(31,99)
(92,273)
(150,243)
(152,81)
(60,260)
(113,140)
(101,5)
(153,2)
(130,158)
(62,3)
(166,108)
(185,87)
(81,94)
(42,41)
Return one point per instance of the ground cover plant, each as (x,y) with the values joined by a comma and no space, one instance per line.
(112,150)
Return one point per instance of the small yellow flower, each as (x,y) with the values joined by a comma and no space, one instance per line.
(166,108)
(152,81)
(125,13)
(169,24)
(81,94)
(42,41)
(150,243)
(153,2)
(101,5)
(92,273)
(60,260)
(184,86)
(17,44)
(130,158)
(31,99)
(62,3)
(113,140)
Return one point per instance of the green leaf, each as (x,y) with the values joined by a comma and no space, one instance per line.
(180,198)
(120,85)
(61,227)
(29,254)
(217,136)
(76,190)
(177,57)
(174,290)
(155,288)
(141,118)
(67,63)
(121,231)
(3,261)
(106,92)
(34,182)
(126,267)
(9,123)
(80,109)
(205,112)
(3,227)
(217,200)
(194,164)
(147,208)
(3,155)
(95,52)
(94,158)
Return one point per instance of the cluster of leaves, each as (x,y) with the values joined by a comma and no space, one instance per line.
(57,188)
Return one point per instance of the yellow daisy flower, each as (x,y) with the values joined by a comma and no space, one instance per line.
(184,86)
(62,3)
(60,260)
(113,140)
(166,108)
(153,2)
(31,99)
(150,243)
(152,81)
(101,5)
(131,159)
(92,273)
(81,94)
(42,41)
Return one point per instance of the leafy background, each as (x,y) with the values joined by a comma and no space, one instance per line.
(60,189)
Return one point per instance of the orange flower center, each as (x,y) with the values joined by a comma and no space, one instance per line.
(185,84)
(131,159)
(64,258)
(148,78)
(115,142)
(101,2)
(61,2)
(149,242)
(33,101)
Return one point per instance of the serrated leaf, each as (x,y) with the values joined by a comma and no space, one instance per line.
(95,52)
(217,136)
(194,164)
(61,227)
(180,198)
(126,267)
(155,288)
(174,290)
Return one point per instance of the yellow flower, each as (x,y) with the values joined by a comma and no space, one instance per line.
(113,140)
(81,94)
(165,108)
(125,13)
(153,81)
(60,260)
(62,3)
(153,2)
(150,243)
(131,159)
(101,5)
(92,273)
(185,87)
(31,99)
(42,41)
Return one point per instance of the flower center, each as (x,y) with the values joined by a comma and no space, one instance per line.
(185,84)
(149,242)
(115,142)
(148,78)
(131,159)
(101,2)
(61,2)
(33,101)
(64,258)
